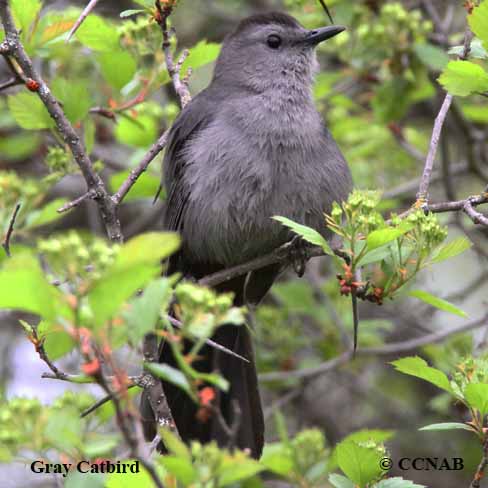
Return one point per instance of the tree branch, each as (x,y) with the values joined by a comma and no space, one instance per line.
(91,5)
(14,48)
(386,350)
(10,230)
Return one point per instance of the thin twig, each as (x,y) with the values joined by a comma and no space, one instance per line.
(386,350)
(14,48)
(423,193)
(86,12)
(480,472)
(77,201)
(101,402)
(10,229)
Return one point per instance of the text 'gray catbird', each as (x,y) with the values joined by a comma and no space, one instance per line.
(250,146)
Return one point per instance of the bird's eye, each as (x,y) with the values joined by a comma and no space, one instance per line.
(274,41)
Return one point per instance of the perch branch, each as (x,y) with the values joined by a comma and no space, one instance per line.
(10,230)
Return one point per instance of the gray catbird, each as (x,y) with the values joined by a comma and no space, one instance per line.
(250,146)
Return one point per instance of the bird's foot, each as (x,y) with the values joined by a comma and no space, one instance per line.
(298,255)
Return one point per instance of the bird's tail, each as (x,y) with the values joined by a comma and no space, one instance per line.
(241,422)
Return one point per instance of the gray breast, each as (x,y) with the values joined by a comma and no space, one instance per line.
(241,174)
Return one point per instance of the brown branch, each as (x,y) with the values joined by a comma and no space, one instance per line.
(155,149)
(14,48)
(386,350)
(180,85)
(480,472)
(476,217)
(423,193)
(86,12)
(10,230)
(100,403)
(78,201)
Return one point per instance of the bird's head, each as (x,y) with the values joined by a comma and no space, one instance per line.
(270,50)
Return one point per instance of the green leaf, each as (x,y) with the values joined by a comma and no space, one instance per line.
(201,54)
(437,302)
(64,429)
(478,21)
(432,56)
(99,35)
(277,458)
(171,375)
(379,238)
(118,68)
(141,131)
(146,185)
(397,483)
(135,265)
(145,310)
(174,445)
(29,112)
(451,249)
(74,97)
(140,479)
(238,468)
(23,286)
(392,100)
(102,446)
(24,12)
(360,464)
(57,342)
(17,147)
(476,395)
(368,435)
(447,426)
(214,379)
(463,78)
(339,481)
(181,468)
(307,233)
(46,215)
(75,479)
(415,366)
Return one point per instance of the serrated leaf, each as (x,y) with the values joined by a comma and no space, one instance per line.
(379,238)
(64,429)
(447,426)
(463,78)
(415,366)
(451,249)
(145,310)
(171,375)
(140,131)
(23,286)
(397,483)
(476,395)
(98,34)
(74,97)
(478,21)
(437,302)
(135,265)
(29,112)
(360,464)
(306,233)
(339,481)
(56,30)
(431,55)
(118,68)
(24,12)
(57,342)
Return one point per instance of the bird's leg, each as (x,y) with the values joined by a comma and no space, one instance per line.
(298,255)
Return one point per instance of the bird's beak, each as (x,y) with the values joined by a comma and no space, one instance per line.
(316,36)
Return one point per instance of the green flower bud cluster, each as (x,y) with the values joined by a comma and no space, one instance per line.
(14,189)
(70,256)
(58,160)
(142,36)
(471,370)
(308,449)
(77,400)
(427,226)
(18,418)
